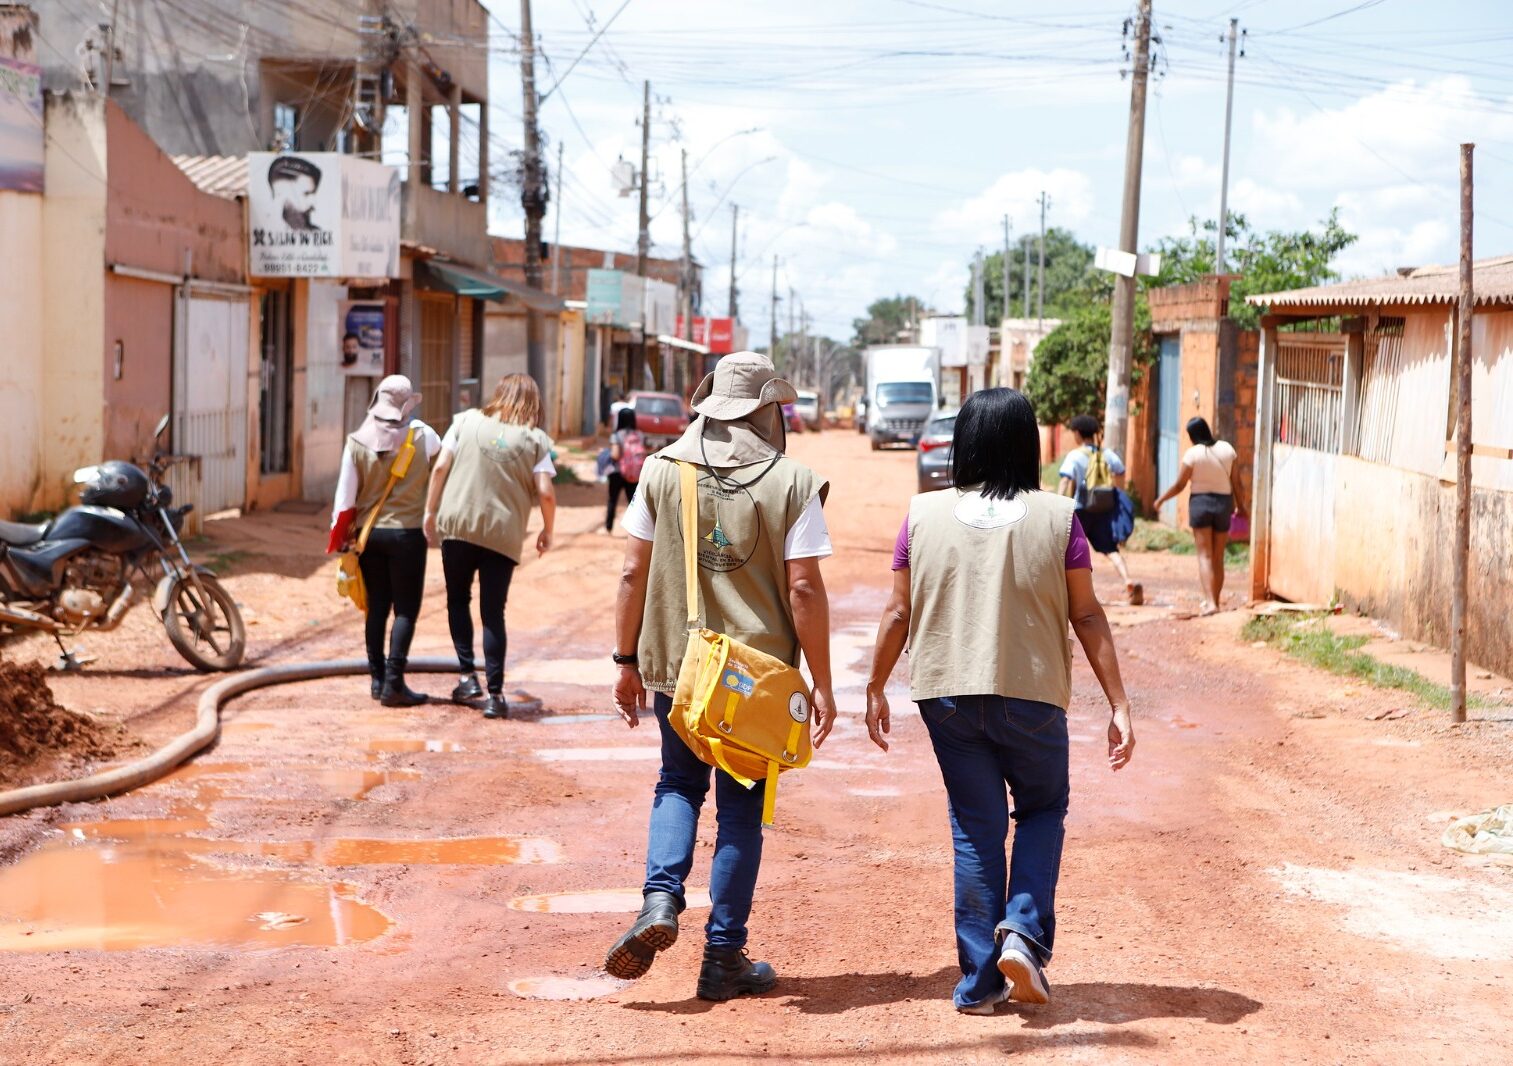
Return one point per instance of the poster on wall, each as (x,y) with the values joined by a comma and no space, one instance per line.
(322,214)
(362,338)
(21,143)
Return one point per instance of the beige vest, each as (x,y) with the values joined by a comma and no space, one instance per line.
(406,506)
(987,584)
(743,578)
(491,487)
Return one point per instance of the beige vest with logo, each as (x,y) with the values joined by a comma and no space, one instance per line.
(491,487)
(987,583)
(743,578)
(406,506)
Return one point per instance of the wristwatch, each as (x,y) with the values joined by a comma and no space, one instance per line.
(626,660)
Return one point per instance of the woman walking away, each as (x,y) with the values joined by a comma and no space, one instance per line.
(494,465)
(1209,467)
(627,455)
(393,561)
(986,579)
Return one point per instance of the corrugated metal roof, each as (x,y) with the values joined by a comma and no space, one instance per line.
(219,175)
(1491,283)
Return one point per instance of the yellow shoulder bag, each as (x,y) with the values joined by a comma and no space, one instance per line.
(736,708)
(348,573)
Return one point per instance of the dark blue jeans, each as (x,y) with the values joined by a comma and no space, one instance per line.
(680,792)
(982,744)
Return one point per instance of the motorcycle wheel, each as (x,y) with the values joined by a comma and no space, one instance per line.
(208,633)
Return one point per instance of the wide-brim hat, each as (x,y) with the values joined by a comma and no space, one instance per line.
(394,399)
(741,383)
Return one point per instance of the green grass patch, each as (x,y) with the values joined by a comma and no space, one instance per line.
(222,563)
(566,475)
(1307,638)
(1050,476)
(1154,537)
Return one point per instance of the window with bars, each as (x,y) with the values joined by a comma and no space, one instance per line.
(1310,388)
(437,320)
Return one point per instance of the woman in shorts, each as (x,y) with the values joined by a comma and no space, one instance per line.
(1208,468)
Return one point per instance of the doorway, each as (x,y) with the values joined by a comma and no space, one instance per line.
(1168,418)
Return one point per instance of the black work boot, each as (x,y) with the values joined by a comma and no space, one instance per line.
(376,673)
(395,692)
(728,973)
(496,706)
(655,929)
(467,689)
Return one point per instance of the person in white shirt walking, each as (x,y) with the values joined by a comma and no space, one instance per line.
(1209,468)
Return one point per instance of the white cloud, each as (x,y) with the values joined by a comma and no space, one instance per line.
(980,218)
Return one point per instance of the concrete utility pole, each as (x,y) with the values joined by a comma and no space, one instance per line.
(533,195)
(1045,201)
(1463,363)
(772,334)
(1122,337)
(1027,280)
(979,290)
(1229,110)
(643,241)
(687,271)
(557,236)
(735,217)
(788,340)
(1007,259)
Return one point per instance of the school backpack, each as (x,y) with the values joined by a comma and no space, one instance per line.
(632,455)
(1098,493)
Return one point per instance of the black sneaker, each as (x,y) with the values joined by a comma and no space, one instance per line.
(655,929)
(467,689)
(496,706)
(728,973)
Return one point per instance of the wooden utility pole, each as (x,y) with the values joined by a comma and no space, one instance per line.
(735,216)
(643,240)
(687,271)
(1463,363)
(1122,338)
(1229,110)
(533,195)
(557,236)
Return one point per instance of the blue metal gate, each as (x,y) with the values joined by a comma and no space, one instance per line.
(1168,408)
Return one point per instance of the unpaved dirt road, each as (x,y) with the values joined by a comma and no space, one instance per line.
(336,882)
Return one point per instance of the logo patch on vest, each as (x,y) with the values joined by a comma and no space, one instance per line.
(798,708)
(982,512)
(717,537)
(738,682)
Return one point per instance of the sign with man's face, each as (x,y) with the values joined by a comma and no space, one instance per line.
(322,214)
(362,338)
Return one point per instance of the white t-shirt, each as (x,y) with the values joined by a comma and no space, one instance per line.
(545,466)
(1211,465)
(346,478)
(808,539)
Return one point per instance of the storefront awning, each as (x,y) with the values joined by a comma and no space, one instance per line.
(481,285)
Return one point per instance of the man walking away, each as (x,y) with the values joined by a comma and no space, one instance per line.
(761,535)
(1106,526)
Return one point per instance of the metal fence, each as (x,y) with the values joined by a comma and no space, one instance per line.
(1381,389)
(1310,385)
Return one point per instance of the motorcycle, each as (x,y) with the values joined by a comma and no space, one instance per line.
(86,568)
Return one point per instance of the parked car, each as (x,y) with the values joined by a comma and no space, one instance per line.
(934,459)
(661,417)
(792,419)
(809,409)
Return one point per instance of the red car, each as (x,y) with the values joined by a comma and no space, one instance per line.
(792,419)
(660,417)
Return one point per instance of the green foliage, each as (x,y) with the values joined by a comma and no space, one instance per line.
(1068,272)
(1069,375)
(222,563)
(1274,261)
(885,319)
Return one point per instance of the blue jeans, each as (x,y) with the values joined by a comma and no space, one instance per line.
(983,743)
(679,794)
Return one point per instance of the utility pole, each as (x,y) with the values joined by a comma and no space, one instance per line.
(1462,451)
(533,195)
(979,290)
(687,272)
(557,236)
(1122,337)
(1040,284)
(735,216)
(772,335)
(643,241)
(1229,110)
(1026,281)
(1007,259)
(788,341)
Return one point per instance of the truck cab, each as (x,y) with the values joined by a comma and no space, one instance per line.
(899,411)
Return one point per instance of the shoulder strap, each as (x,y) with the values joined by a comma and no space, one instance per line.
(688,478)
(397,469)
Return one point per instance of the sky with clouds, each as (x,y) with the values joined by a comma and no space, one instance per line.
(874,145)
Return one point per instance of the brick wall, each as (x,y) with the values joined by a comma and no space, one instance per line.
(1204,299)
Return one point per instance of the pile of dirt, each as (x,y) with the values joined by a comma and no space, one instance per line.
(34,730)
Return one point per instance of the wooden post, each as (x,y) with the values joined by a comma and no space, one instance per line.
(1266,435)
(1462,547)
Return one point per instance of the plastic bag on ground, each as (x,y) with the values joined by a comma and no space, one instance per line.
(1488,833)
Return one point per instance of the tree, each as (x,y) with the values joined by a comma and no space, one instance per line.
(1069,373)
(1068,267)
(886,319)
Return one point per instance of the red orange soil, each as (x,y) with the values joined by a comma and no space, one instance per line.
(1260,884)
(38,738)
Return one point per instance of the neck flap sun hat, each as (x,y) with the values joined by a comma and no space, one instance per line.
(740,418)
(388,414)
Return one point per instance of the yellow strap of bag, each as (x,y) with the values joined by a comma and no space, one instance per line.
(349,581)
(737,708)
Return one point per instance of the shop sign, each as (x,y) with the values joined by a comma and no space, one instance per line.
(614,298)
(363,326)
(322,215)
(716,334)
(21,143)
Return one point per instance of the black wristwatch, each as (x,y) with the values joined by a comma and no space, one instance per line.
(626,660)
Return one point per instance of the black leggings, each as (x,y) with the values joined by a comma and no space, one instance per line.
(617,485)
(460,561)
(394,574)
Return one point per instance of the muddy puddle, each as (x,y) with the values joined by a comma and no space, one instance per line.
(214,780)
(408,745)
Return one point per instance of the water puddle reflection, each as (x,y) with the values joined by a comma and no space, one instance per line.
(408,745)
(566,987)
(596,901)
(574,719)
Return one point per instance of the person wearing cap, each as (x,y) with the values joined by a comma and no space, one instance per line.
(495,464)
(394,561)
(761,536)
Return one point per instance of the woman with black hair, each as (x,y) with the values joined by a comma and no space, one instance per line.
(1209,467)
(986,580)
(627,455)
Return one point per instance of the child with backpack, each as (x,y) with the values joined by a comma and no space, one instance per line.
(1093,476)
(627,455)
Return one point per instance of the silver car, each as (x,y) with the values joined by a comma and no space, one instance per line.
(934,456)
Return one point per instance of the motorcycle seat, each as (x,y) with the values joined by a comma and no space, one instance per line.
(21,534)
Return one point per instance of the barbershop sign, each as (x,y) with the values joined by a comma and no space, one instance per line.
(322,215)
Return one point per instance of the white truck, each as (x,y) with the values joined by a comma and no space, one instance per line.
(903,388)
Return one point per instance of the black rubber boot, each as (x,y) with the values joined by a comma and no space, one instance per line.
(496,706)
(728,973)
(395,692)
(376,673)
(655,929)
(467,689)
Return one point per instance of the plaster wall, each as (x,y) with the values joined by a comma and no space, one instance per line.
(21,381)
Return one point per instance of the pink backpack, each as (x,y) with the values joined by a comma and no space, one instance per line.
(632,456)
